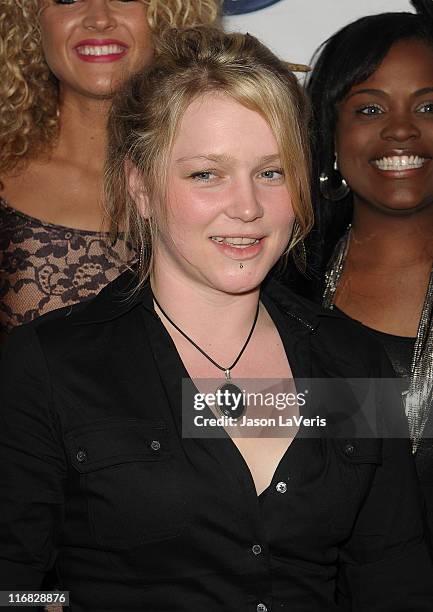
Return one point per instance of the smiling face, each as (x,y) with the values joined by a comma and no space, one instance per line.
(92,45)
(229,213)
(384,136)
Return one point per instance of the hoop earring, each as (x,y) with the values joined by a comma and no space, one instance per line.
(333,194)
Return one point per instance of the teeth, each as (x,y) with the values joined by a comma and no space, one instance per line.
(399,162)
(100,50)
(238,242)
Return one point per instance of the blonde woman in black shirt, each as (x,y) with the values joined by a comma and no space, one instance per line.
(208,176)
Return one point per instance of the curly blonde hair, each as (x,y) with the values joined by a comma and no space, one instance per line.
(28,91)
(147,112)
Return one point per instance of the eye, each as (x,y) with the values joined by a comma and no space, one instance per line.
(370,110)
(273,175)
(425,107)
(204,176)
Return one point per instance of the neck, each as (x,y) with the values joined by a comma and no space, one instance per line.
(83,131)
(203,313)
(387,240)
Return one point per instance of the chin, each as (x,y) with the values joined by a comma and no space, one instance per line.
(104,89)
(403,207)
(239,283)
(103,93)
(403,198)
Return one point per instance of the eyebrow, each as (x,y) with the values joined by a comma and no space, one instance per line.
(424,90)
(226,158)
(379,92)
(375,92)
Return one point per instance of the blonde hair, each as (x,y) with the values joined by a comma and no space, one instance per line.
(146,115)
(28,91)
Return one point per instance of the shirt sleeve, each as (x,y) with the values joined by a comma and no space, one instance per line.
(386,565)
(32,465)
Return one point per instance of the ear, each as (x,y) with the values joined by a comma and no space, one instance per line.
(136,188)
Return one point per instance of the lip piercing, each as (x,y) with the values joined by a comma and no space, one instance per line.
(241,266)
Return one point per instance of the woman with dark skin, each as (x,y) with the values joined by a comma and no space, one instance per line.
(371,249)
(60,63)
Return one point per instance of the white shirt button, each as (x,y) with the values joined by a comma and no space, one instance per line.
(257,549)
(81,455)
(281,487)
(349,449)
(261,607)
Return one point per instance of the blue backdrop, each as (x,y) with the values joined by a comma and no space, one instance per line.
(237,7)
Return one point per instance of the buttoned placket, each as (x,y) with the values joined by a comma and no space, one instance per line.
(257,555)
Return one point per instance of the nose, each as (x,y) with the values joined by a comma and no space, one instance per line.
(99,16)
(245,201)
(400,127)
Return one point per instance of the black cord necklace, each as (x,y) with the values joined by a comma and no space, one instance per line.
(230,398)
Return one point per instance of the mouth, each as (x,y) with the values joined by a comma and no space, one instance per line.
(101,50)
(400,163)
(237,242)
(94,50)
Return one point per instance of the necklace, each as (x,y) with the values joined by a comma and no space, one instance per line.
(418,398)
(230,400)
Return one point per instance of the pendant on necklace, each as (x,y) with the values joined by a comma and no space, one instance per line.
(230,398)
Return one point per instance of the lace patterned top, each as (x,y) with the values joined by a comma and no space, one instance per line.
(45,266)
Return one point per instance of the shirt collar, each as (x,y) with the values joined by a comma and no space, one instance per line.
(297,307)
(116,299)
(122,295)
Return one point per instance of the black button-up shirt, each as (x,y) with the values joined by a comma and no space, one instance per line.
(96,479)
